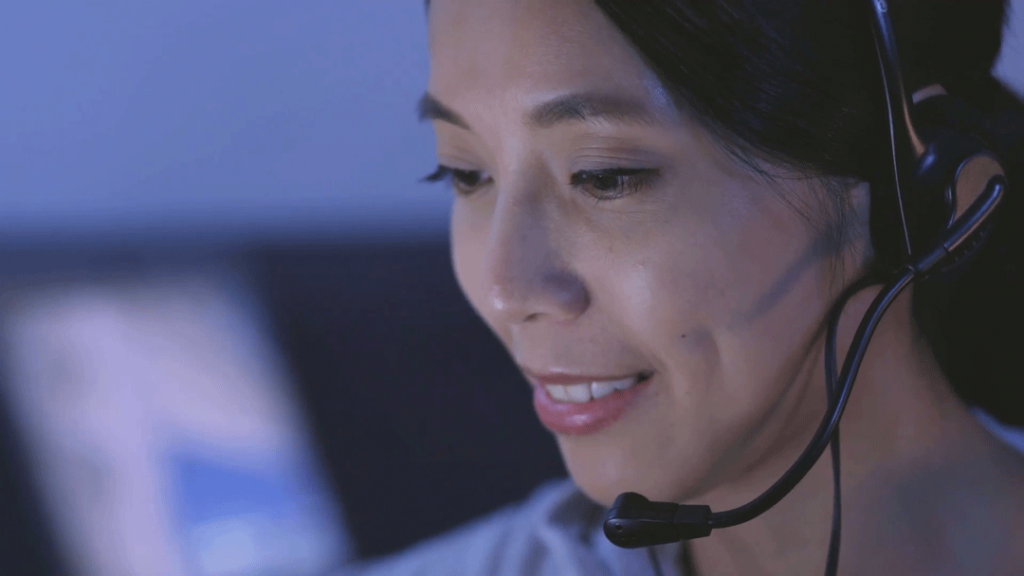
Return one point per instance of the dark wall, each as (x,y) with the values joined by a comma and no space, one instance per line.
(423,419)
(27,546)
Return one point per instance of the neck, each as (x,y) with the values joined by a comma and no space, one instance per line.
(903,432)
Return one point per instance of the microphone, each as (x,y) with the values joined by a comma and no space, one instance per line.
(635,522)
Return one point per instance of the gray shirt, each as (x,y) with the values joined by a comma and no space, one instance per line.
(556,531)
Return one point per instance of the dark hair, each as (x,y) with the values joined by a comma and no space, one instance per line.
(797,83)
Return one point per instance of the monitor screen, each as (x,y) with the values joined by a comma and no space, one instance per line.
(162,430)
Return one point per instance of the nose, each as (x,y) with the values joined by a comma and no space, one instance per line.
(528,277)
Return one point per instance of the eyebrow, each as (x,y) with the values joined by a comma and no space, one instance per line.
(430,108)
(575,107)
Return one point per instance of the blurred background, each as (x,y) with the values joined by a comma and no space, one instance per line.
(230,339)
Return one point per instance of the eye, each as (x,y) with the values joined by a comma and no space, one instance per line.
(612,183)
(464,182)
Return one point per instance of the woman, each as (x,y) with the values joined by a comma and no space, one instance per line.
(656,204)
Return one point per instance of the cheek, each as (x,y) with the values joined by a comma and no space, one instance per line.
(672,303)
(466,261)
(468,235)
(725,306)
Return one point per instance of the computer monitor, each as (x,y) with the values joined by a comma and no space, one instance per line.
(162,432)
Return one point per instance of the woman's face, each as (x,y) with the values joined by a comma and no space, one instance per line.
(603,236)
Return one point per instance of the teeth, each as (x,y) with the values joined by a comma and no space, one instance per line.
(623,384)
(601,389)
(579,393)
(557,392)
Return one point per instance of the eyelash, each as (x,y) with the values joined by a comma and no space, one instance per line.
(464,182)
(601,185)
(611,183)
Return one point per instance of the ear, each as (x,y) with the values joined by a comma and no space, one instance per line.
(928,92)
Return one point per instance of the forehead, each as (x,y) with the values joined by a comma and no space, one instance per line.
(517,53)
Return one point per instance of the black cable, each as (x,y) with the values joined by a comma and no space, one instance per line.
(835,404)
(832,560)
(831,377)
(822,436)
(838,392)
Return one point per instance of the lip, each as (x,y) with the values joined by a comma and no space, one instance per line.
(566,379)
(581,419)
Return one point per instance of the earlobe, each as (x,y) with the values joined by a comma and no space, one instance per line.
(858,225)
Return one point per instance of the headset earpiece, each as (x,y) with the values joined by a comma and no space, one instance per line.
(951,176)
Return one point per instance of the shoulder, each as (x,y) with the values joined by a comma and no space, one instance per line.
(539,535)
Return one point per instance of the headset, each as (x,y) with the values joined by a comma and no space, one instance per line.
(947,186)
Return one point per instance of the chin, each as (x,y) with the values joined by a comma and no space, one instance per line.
(603,472)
